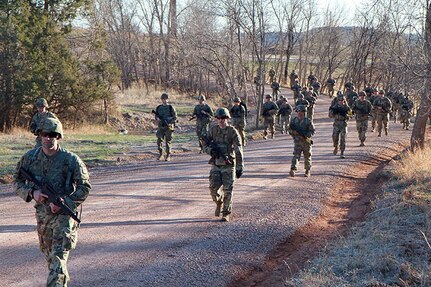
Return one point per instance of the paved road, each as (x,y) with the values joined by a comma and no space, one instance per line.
(152,223)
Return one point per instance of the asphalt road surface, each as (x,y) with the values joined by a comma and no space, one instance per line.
(152,223)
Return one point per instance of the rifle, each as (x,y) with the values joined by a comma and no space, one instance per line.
(165,122)
(338,111)
(215,151)
(53,196)
(301,134)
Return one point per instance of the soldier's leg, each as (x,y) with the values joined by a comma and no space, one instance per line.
(168,136)
(335,138)
(64,239)
(228,178)
(215,184)
(364,128)
(242,134)
(283,124)
(358,128)
(379,124)
(373,121)
(265,126)
(297,149)
(160,139)
(343,134)
(44,233)
(272,126)
(199,129)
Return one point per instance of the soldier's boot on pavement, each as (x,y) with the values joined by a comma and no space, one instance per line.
(386,131)
(272,135)
(265,135)
(307,173)
(335,150)
(226,217)
(380,134)
(342,154)
(362,143)
(218,208)
(168,157)
(292,173)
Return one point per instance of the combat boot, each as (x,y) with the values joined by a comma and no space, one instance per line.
(307,173)
(335,150)
(168,157)
(386,132)
(160,156)
(292,173)
(218,208)
(272,135)
(362,143)
(342,154)
(226,217)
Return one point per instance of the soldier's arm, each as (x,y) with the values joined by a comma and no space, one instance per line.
(81,180)
(238,151)
(22,189)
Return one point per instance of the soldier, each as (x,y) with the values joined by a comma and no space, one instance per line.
(39,118)
(293,76)
(302,101)
(351,95)
(67,175)
(224,146)
(341,112)
(396,99)
(348,84)
(330,84)
(166,116)
(296,88)
(239,114)
(311,78)
(269,111)
(368,90)
(284,112)
(275,90)
(311,98)
(406,108)
(372,98)
(272,75)
(383,107)
(203,114)
(301,129)
(316,85)
(362,109)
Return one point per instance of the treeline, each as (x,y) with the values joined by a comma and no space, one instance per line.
(213,46)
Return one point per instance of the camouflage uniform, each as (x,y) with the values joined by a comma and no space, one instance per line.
(362,109)
(382,107)
(373,113)
(275,90)
(301,131)
(57,232)
(302,101)
(351,96)
(340,112)
(293,76)
(272,75)
(269,112)
(167,117)
(222,172)
(203,114)
(330,83)
(296,88)
(311,98)
(285,112)
(39,118)
(238,114)
(406,107)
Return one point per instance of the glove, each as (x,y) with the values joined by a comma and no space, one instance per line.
(238,173)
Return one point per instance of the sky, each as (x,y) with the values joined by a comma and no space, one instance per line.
(347,6)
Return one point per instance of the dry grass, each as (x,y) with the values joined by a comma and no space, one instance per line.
(391,247)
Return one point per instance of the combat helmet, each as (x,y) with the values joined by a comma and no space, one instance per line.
(52,125)
(164,96)
(237,100)
(202,97)
(41,102)
(300,108)
(222,113)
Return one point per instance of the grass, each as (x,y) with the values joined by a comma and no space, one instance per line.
(391,247)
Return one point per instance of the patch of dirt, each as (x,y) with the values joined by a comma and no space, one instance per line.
(349,203)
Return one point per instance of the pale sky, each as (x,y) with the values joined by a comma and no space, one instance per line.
(348,7)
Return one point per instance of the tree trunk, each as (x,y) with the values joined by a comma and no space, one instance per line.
(419,129)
